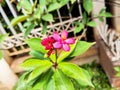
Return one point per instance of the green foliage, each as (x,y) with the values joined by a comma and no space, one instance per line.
(117,69)
(87,21)
(37,54)
(2,38)
(39,12)
(64,54)
(87,4)
(77,73)
(54,6)
(62,82)
(48,17)
(39,70)
(29,29)
(35,44)
(79,28)
(99,78)
(51,73)
(19,19)
(91,24)
(1,55)
(81,47)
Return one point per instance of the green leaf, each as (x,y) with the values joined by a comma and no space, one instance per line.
(34,5)
(29,29)
(64,54)
(48,17)
(72,1)
(33,63)
(3,37)
(53,6)
(39,70)
(79,28)
(22,83)
(81,47)
(85,18)
(62,82)
(101,19)
(75,72)
(44,28)
(1,54)
(91,24)
(19,19)
(53,57)
(37,13)
(105,14)
(43,81)
(50,85)
(35,44)
(26,5)
(37,54)
(63,2)
(88,6)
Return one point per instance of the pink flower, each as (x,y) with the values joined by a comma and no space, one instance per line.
(62,41)
(48,43)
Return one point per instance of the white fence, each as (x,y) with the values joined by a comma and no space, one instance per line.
(15,43)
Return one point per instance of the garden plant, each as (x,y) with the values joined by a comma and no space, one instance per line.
(49,67)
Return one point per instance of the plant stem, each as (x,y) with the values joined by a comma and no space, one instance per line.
(83,34)
(56,55)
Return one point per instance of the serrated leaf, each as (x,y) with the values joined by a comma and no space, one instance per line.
(33,63)
(39,70)
(26,5)
(29,29)
(92,24)
(3,37)
(64,54)
(35,44)
(62,82)
(88,6)
(79,28)
(53,6)
(75,72)
(19,19)
(81,47)
(48,17)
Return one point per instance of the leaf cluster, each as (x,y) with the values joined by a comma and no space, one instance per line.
(43,73)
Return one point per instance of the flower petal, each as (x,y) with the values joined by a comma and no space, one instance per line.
(56,36)
(57,45)
(66,47)
(70,40)
(64,34)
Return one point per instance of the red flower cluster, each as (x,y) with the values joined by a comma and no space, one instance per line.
(57,41)
(48,43)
